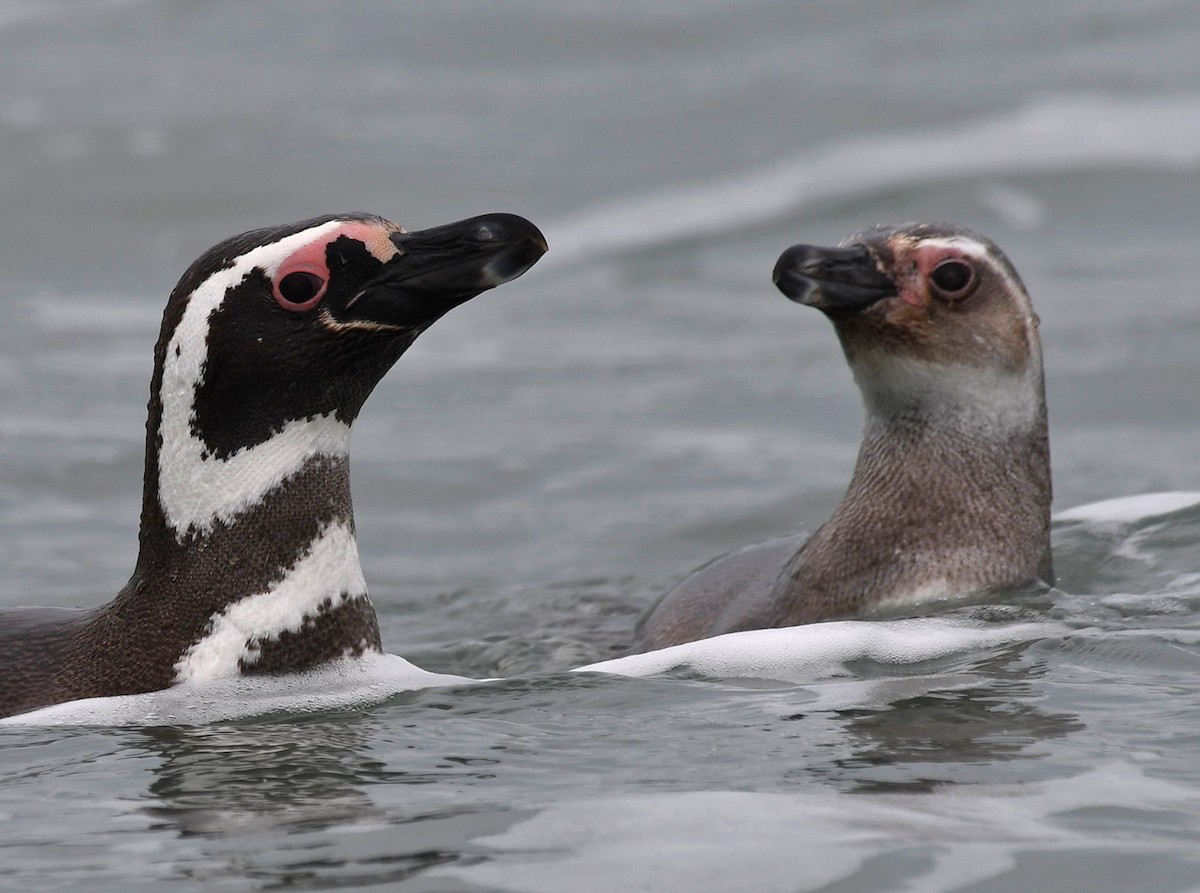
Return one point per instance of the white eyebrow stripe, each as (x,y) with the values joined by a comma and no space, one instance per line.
(195,488)
(977,251)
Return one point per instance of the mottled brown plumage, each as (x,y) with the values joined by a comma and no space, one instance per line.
(951,492)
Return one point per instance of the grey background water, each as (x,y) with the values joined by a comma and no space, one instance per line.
(550,457)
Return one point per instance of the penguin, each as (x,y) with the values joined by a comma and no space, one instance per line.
(247,561)
(951,491)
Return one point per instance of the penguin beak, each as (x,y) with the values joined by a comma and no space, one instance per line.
(437,269)
(838,281)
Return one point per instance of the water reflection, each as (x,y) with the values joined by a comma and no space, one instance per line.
(300,774)
(957,730)
(303,801)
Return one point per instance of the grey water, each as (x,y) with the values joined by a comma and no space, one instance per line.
(551,456)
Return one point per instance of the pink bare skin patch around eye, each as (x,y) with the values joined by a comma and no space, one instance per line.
(309,270)
(923,260)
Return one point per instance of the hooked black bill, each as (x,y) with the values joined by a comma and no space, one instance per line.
(439,268)
(835,280)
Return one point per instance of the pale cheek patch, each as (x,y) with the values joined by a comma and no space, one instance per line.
(961,398)
(328,572)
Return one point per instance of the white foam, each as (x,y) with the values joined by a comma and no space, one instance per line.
(1131,509)
(1065,133)
(817,650)
(348,683)
(328,571)
(797,654)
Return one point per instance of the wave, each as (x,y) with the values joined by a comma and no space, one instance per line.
(819,650)
(814,838)
(1052,134)
(1131,509)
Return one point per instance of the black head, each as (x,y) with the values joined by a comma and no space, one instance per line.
(302,321)
(273,340)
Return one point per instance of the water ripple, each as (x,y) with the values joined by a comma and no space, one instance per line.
(1065,133)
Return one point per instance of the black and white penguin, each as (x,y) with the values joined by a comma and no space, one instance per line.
(247,561)
(951,491)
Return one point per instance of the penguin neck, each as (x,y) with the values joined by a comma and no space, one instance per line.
(952,426)
(946,452)
(248,558)
(988,405)
(282,490)
(194,491)
(951,490)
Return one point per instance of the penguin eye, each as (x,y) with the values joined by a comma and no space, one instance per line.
(953,278)
(299,290)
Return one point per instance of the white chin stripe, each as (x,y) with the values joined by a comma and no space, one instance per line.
(328,571)
(196,489)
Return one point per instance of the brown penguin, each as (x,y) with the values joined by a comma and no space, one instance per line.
(951,491)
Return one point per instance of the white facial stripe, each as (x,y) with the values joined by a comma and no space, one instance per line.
(958,243)
(328,571)
(195,488)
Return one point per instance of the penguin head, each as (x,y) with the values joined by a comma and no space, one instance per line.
(932,318)
(301,321)
(273,339)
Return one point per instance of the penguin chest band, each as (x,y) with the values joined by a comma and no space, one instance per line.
(327,578)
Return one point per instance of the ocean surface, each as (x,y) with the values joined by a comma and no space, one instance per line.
(550,457)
